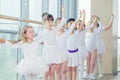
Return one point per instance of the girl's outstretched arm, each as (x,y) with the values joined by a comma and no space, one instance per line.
(10,44)
(110,23)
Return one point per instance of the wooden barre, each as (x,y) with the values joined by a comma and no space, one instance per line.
(19,19)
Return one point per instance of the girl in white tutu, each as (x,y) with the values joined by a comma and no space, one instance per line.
(100,45)
(73,48)
(49,48)
(61,39)
(91,45)
(31,65)
(82,47)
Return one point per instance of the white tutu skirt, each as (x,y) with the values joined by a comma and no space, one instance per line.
(50,54)
(100,47)
(73,59)
(91,46)
(83,52)
(62,56)
(33,65)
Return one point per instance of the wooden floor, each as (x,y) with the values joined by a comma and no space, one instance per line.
(106,77)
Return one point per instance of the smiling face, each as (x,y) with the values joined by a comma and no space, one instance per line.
(28,33)
(49,21)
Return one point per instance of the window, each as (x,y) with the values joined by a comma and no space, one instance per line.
(85,4)
(35,9)
(53,7)
(118,36)
(8,8)
(82,5)
(8,56)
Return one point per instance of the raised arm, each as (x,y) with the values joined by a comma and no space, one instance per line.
(63,21)
(110,23)
(63,12)
(82,14)
(91,23)
(71,28)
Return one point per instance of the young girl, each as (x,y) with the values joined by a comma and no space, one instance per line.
(49,49)
(31,66)
(61,39)
(72,47)
(100,45)
(91,46)
(82,47)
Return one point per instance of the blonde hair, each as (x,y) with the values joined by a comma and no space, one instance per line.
(44,17)
(56,21)
(23,32)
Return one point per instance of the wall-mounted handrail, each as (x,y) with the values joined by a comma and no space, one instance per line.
(19,19)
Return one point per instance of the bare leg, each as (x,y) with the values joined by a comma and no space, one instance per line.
(92,64)
(88,62)
(58,71)
(93,60)
(69,73)
(52,71)
(74,73)
(47,74)
(64,69)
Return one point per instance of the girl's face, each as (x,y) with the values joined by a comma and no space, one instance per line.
(46,22)
(70,23)
(29,33)
(63,28)
(58,22)
(78,24)
(50,23)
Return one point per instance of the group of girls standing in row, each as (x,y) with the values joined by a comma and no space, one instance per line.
(66,46)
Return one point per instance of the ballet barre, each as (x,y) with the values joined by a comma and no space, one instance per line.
(19,19)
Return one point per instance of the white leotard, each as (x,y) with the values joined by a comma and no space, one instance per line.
(82,47)
(31,63)
(91,39)
(73,45)
(100,42)
(49,49)
(62,44)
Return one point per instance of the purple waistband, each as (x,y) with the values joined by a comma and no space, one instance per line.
(73,51)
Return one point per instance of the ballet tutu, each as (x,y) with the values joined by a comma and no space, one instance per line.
(73,58)
(91,45)
(50,54)
(83,52)
(32,65)
(100,47)
(62,56)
